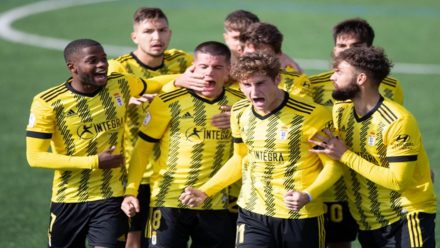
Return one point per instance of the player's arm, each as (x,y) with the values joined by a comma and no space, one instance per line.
(38,155)
(286,61)
(330,173)
(139,160)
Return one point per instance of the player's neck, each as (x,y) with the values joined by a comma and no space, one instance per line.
(366,101)
(147,59)
(84,88)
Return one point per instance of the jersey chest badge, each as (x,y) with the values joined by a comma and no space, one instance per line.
(371,139)
(283,133)
(118,99)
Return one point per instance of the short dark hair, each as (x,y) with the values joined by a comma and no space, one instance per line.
(370,60)
(76,45)
(214,48)
(356,27)
(239,20)
(145,13)
(252,63)
(263,33)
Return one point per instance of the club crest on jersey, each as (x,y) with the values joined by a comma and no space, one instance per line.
(283,133)
(371,139)
(118,99)
(147,119)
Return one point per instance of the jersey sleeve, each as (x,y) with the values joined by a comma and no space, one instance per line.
(403,142)
(158,120)
(39,133)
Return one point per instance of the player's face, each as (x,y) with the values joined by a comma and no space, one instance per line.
(152,36)
(232,40)
(262,91)
(346,41)
(345,81)
(215,70)
(89,67)
(252,48)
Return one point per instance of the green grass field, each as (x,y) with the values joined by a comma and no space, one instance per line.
(406,29)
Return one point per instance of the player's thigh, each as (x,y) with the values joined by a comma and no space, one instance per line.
(168,227)
(68,225)
(307,232)
(108,223)
(252,231)
(340,225)
(214,228)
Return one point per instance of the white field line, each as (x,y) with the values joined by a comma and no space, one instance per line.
(7,32)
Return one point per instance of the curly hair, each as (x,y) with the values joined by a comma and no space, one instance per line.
(370,60)
(252,63)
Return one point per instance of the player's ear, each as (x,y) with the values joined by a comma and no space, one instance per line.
(71,67)
(133,37)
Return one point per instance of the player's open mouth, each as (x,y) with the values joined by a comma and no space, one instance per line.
(258,101)
(100,76)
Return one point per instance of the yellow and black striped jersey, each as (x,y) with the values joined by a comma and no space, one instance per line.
(278,157)
(174,62)
(78,127)
(383,144)
(191,148)
(322,88)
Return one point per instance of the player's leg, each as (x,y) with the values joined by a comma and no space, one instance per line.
(108,224)
(307,232)
(340,227)
(136,234)
(169,227)
(253,231)
(418,230)
(68,225)
(214,228)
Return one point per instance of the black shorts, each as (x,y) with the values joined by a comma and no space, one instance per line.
(139,221)
(172,228)
(102,222)
(340,225)
(414,230)
(256,230)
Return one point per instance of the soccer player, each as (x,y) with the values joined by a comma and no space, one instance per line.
(152,34)
(237,23)
(82,119)
(387,172)
(192,150)
(349,33)
(279,203)
(265,37)
(340,226)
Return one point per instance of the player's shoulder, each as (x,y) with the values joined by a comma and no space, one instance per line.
(392,111)
(175,95)
(171,54)
(122,59)
(240,105)
(53,93)
(303,105)
(323,77)
(114,76)
(234,92)
(391,82)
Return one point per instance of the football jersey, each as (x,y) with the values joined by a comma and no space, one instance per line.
(278,157)
(322,89)
(192,150)
(174,62)
(84,125)
(387,134)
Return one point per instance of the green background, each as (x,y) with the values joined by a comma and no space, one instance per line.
(407,30)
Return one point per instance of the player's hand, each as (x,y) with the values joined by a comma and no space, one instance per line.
(193,197)
(295,200)
(142,99)
(329,145)
(130,205)
(191,80)
(108,160)
(222,120)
